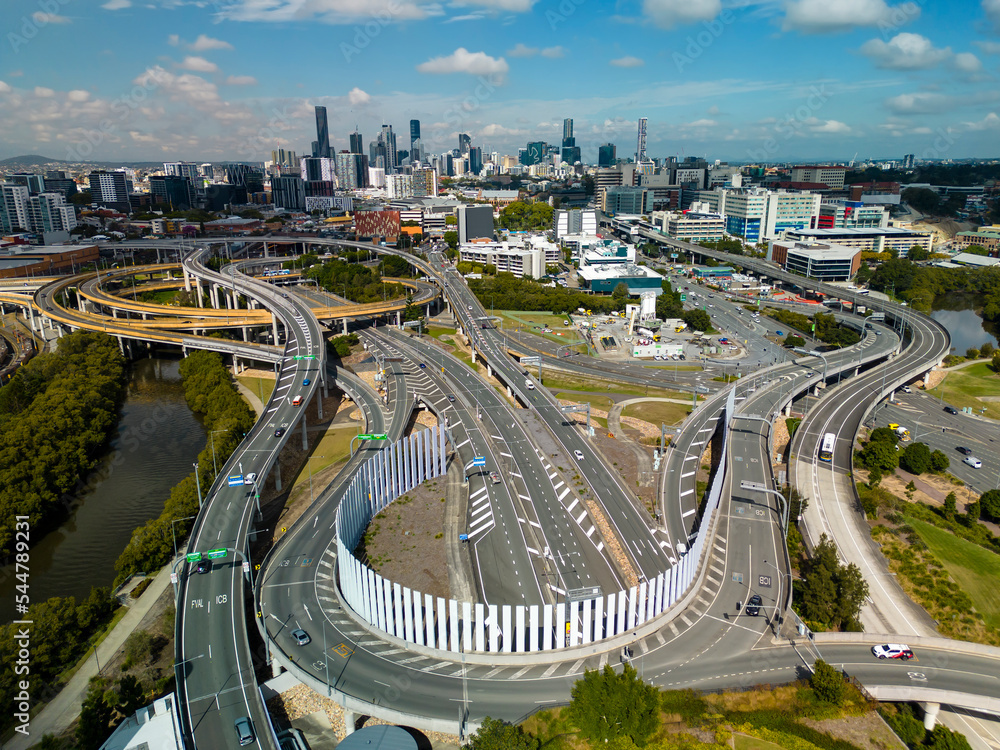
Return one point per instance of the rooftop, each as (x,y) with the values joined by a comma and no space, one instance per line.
(826,251)
(968,259)
(853,232)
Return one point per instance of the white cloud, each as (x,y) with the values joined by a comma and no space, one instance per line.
(905,51)
(203,43)
(522,50)
(46,18)
(627,62)
(5,87)
(173,40)
(44,93)
(357,97)
(918,104)
(989,48)
(466,17)
(510,6)
(78,95)
(330,11)
(463,61)
(554,52)
(831,126)
(199,64)
(702,123)
(990,122)
(241,81)
(992,10)
(669,13)
(117,4)
(824,16)
(966,62)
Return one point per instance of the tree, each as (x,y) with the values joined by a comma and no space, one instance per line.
(943,738)
(131,696)
(451,237)
(794,340)
(973,512)
(832,594)
(885,435)
(494,734)
(995,362)
(827,683)
(852,591)
(924,200)
(950,508)
(607,705)
(95,719)
(986,350)
(939,462)
(977,250)
(880,456)
(972,353)
(698,320)
(918,252)
(989,505)
(450,221)
(916,459)
(620,291)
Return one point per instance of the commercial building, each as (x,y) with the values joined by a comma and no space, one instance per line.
(182,169)
(399,185)
(371,225)
(175,191)
(974,261)
(831,176)
(986,237)
(416,147)
(822,261)
(852,215)
(44,260)
(606,155)
(624,200)
(475,223)
(57,181)
(875,240)
(527,256)
(574,222)
(755,214)
(109,190)
(322,149)
(693,226)
(288,191)
(604,277)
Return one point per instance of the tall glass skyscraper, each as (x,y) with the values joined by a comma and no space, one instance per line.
(322,134)
(357,143)
(416,147)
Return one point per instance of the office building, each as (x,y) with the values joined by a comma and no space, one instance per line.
(987,237)
(464,143)
(526,256)
(50,216)
(874,240)
(376,177)
(853,215)
(352,170)
(476,160)
(322,134)
(244,175)
(693,226)
(425,183)
(34,182)
(475,222)
(534,153)
(285,158)
(14,207)
(289,192)
(573,222)
(606,155)
(383,150)
(640,148)
(624,200)
(755,214)
(173,190)
(110,190)
(182,169)
(415,143)
(57,181)
(814,260)
(831,176)
(317,168)
(604,277)
(357,143)
(908,161)
(399,186)
(570,153)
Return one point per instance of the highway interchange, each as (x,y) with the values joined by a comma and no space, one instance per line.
(528,543)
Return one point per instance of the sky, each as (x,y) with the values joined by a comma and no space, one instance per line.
(738,80)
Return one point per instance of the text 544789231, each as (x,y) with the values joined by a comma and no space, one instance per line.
(22,600)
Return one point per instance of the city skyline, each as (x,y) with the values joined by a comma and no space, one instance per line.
(742,81)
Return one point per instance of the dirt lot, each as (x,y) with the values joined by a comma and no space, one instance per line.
(405,542)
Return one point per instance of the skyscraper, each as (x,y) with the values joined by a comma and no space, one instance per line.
(464,143)
(357,143)
(567,128)
(416,147)
(386,149)
(640,147)
(322,134)
(570,151)
(109,189)
(606,155)
(475,159)
(13,207)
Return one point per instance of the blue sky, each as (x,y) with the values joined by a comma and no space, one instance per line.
(745,80)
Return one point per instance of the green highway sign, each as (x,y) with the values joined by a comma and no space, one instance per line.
(684,298)
(193,557)
(383,436)
(215,554)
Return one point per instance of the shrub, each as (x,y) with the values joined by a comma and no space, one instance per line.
(827,683)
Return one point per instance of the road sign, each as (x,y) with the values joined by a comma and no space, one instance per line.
(236,480)
(367,436)
(193,556)
(215,554)
(246,567)
(684,298)
(479,461)
(173,578)
(756,486)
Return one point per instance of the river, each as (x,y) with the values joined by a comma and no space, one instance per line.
(157,441)
(956,312)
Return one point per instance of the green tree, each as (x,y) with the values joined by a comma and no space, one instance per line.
(973,512)
(451,237)
(698,320)
(989,505)
(943,738)
(986,350)
(950,508)
(852,591)
(620,291)
(924,200)
(916,458)
(494,734)
(827,683)
(607,705)
(792,340)
(972,353)
(95,719)
(939,462)
(880,456)
(885,435)
(918,252)
(131,696)
(977,250)
(995,362)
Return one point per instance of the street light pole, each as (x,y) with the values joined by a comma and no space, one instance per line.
(197,480)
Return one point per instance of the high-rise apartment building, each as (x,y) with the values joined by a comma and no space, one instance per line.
(322,134)
(383,150)
(832,177)
(425,183)
(174,190)
(181,169)
(34,182)
(606,155)
(352,170)
(51,216)
(640,147)
(288,191)
(476,160)
(285,158)
(109,189)
(13,207)
(399,186)
(315,168)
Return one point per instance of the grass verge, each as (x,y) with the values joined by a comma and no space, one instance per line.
(657,412)
(570,383)
(334,446)
(964,388)
(260,387)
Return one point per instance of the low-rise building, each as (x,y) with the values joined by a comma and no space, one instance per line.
(815,260)
(693,226)
(604,277)
(872,240)
(987,237)
(527,256)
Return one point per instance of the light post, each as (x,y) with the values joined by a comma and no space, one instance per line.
(197,480)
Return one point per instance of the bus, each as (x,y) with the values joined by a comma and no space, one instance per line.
(826,449)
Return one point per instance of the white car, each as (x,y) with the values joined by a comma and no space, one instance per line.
(578,455)
(893,651)
(906,389)
(250,477)
(529,385)
(972,461)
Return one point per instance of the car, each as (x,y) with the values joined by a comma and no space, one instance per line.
(878,332)
(279,432)
(244,731)
(702,389)
(529,385)
(423,366)
(306,381)
(972,461)
(754,605)
(578,455)
(964,451)
(494,477)
(951,410)
(250,477)
(470,307)
(893,651)
(203,566)
(906,389)
(451,398)
(779,333)
(301,637)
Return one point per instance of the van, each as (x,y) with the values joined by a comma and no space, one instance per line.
(972,461)
(529,385)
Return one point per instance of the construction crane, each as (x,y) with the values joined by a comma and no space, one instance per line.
(851,165)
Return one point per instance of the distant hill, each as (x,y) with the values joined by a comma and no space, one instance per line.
(34,161)
(30,160)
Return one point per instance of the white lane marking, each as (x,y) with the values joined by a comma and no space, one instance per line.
(685,515)
(591,532)
(582,516)
(576,501)
(689,474)
(687,492)
(564,493)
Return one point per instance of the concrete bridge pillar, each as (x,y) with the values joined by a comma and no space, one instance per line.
(930,714)
(265,249)
(245,336)
(81,303)
(236,366)
(276,668)
(489,371)
(473,354)
(319,405)
(197,282)
(277,476)
(350,720)
(891,396)
(121,345)
(345,326)
(399,319)
(187,280)
(510,393)
(305,434)
(927,379)
(427,311)
(274,326)
(114,313)
(214,295)
(788,409)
